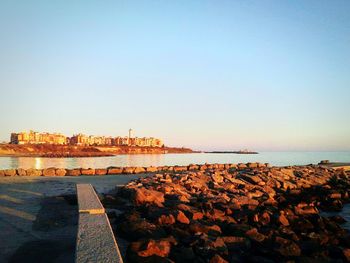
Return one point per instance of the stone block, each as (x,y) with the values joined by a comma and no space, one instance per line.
(73,172)
(88,201)
(49,172)
(88,171)
(115,170)
(61,172)
(21,172)
(95,240)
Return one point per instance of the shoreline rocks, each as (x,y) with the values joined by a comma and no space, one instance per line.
(241,213)
(52,171)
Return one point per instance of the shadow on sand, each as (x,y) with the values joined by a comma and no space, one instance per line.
(56,225)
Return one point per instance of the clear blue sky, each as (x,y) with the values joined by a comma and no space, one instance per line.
(263,75)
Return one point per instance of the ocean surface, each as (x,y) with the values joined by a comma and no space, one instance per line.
(274,158)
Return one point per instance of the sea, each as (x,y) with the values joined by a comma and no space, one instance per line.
(274,158)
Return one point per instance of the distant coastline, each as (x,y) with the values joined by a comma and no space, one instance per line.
(67,151)
(235,152)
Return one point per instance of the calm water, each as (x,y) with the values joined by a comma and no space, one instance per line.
(274,158)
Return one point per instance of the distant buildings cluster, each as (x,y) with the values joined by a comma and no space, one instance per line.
(33,137)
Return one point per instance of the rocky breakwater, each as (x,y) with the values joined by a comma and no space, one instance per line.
(52,171)
(237,214)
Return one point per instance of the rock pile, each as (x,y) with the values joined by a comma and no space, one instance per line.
(247,213)
(52,171)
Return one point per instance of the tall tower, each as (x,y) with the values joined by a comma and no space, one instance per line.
(130,134)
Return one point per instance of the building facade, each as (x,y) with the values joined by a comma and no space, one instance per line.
(33,137)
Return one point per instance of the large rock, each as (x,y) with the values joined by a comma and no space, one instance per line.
(88,171)
(139,170)
(34,172)
(182,218)
(49,172)
(287,248)
(151,169)
(2,173)
(21,172)
(148,248)
(217,177)
(61,172)
(236,243)
(115,170)
(10,172)
(128,170)
(180,168)
(252,165)
(73,172)
(145,196)
(197,227)
(253,179)
(166,219)
(100,171)
(193,167)
(217,259)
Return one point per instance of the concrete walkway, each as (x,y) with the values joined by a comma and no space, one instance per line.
(39,216)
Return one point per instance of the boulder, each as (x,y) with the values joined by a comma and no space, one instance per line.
(306,210)
(255,235)
(49,172)
(217,177)
(197,215)
(21,172)
(73,172)
(139,170)
(60,172)
(151,169)
(282,219)
(88,171)
(2,173)
(335,195)
(114,170)
(241,166)
(287,248)
(346,254)
(10,172)
(128,170)
(145,196)
(253,179)
(193,167)
(217,259)
(100,171)
(203,167)
(166,220)
(143,249)
(182,218)
(236,243)
(180,168)
(197,227)
(252,165)
(34,172)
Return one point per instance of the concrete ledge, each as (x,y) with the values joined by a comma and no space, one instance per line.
(95,240)
(88,201)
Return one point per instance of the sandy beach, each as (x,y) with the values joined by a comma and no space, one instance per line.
(38,216)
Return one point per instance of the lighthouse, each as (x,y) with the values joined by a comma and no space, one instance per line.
(130,134)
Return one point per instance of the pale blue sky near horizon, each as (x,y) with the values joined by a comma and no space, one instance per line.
(211,75)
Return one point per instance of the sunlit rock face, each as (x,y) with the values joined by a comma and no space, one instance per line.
(234,213)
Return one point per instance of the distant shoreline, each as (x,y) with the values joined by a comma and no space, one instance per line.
(235,152)
(71,151)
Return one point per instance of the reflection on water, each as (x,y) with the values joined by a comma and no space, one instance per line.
(38,164)
(274,158)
